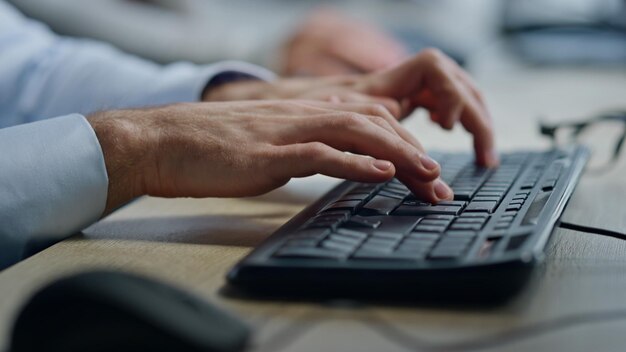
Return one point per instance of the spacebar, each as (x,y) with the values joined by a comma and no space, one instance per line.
(397,224)
(426,210)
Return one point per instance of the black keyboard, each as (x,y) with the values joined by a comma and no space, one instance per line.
(378,239)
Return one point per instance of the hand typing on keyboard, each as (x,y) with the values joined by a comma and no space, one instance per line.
(293,128)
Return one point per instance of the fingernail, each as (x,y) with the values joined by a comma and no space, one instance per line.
(429,163)
(382,165)
(442,191)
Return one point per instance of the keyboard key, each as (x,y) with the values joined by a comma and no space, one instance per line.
(486,199)
(461,226)
(404,256)
(345,239)
(463,194)
(494,189)
(349,205)
(382,205)
(457,243)
(454,203)
(502,226)
(396,186)
(503,184)
(548,185)
(375,248)
(511,207)
(385,193)
(423,236)
(429,228)
(338,246)
(329,217)
(351,233)
(474,215)
(427,210)
(433,222)
(414,202)
(439,217)
(354,196)
(413,244)
(398,192)
(489,194)
(460,234)
(386,235)
(419,252)
(446,253)
(343,214)
(298,252)
(470,220)
(380,242)
(397,224)
(361,222)
(496,235)
(481,207)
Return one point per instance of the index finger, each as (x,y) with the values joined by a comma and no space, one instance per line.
(450,97)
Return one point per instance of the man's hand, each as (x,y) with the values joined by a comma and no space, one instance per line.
(430,80)
(329,43)
(434,81)
(251,147)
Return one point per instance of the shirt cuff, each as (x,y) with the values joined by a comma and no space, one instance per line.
(229,71)
(53,184)
(185,82)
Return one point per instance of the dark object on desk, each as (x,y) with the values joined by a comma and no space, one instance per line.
(573,132)
(113,311)
(364,240)
(556,33)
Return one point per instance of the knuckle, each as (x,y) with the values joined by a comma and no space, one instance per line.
(378,110)
(455,98)
(350,119)
(432,54)
(381,122)
(313,150)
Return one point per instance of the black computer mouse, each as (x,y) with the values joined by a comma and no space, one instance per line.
(115,311)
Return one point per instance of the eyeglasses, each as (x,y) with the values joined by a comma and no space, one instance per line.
(601,134)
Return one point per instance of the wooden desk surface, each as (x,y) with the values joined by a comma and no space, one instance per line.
(193,242)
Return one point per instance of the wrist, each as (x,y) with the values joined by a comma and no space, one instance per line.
(124,154)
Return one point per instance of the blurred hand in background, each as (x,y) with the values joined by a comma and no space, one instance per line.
(329,42)
(290,37)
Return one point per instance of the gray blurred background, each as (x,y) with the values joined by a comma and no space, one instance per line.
(540,32)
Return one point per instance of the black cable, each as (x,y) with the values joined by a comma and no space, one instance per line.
(286,337)
(594,230)
(401,338)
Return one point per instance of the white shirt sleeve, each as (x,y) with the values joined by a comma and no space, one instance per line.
(53,180)
(53,183)
(44,75)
